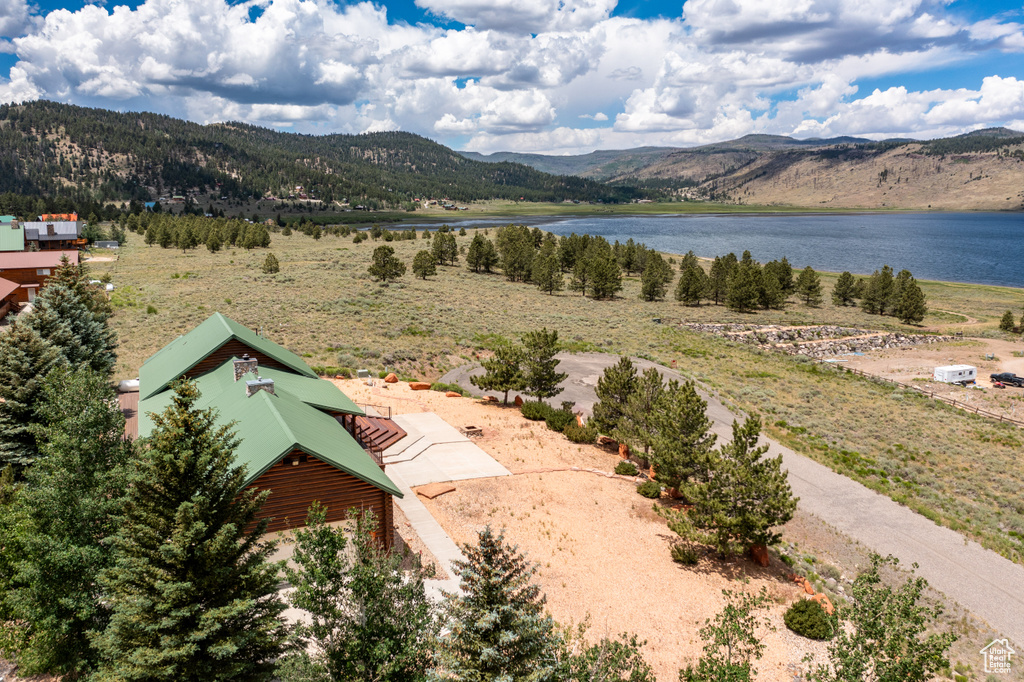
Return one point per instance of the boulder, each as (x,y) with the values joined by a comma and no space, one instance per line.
(579,420)
(453,394)
(623,450)
(519,401)
(825,602)
(419,386)
(490,399)
(808,587)
(759,553)
(391,379)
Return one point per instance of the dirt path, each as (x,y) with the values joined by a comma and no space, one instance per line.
(978,579)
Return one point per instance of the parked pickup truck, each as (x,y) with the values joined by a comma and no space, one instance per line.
(1008,378)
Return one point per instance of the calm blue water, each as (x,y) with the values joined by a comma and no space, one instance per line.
(983,248)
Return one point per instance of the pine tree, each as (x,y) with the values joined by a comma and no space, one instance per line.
(213,241)
(62,318)
(744,499)
(271,264)
(682,449)
(424,264)
(605,277)
(908,301)
(1021,325)
(70,501)
(25,360)
(497,626)
(481,256)
(655,278)
(546,274)
(1006,324)
(744,287)
(878,292)
(771,294)
(386,265)
(368,619)
(718,281)
(693,285)
(192,594)
(844,292)
(636,425)
(616,385)
(540,378)
(808,287)
(502,372)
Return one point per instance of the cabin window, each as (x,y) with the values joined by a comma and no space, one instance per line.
(43,271)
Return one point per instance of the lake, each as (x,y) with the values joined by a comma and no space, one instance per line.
(982,248)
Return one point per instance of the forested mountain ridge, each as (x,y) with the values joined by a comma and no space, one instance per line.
(53,149)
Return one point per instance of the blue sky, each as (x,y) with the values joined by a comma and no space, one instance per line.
(562,76)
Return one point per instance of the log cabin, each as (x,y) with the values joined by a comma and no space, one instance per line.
(298,436)
(31,269)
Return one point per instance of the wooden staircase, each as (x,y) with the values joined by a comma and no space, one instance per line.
(377,434)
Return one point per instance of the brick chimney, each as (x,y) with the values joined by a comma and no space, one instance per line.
(257,385)
(244,366)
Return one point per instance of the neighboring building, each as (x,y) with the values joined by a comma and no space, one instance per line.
(31,269)
(8,296)
(54,236)
(299,436)
(12,234)
(50,217)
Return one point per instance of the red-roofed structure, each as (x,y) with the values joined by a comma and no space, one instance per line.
(8,296)
(30,270)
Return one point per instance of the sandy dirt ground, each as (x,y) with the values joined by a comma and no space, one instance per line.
(915,366)
(602,552)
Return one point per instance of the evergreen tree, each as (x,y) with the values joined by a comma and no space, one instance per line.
(368,619)
(887,640)
(616,385)
(70,502)
(270,264)
(731,644)
(783,272)
(76,278)
(444,249)
(424,264)
(546,274)
(14,634)
(580,280)
(1021,325)
(503,371)
(540,378)
(517,249)
(151,235)
(682,447)
(745,286)
(1006,324)
(61,317)
(213,241)
(908,301)
(192,594)
(605,277)
(637,424)
(808,287)
(744,499)
(481,256)
(497,628)
(878,292)
(386,266)
(693,284)
(844,292)
(718,281)
(25,360)
(771,294)
(655,277)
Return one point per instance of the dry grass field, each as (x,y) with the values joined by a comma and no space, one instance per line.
(958,469)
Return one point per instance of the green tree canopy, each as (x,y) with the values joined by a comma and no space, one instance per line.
(503,371)
(386,265)
(539,365)
(614,388)
(908,301)
(808,287)
(682,447)
(25,360)
(655,278)
(636,425)
(845,290)
(731,641)
(424,264)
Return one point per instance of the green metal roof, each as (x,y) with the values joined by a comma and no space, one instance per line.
(270,426)
(186,351)
(11,238)
(7,218)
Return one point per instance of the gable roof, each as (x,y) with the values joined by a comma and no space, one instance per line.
(188,350)
(12,236)
(35,259)
(268,427)
(39,231)
(7,287)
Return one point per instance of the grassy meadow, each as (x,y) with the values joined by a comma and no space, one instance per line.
(958,469)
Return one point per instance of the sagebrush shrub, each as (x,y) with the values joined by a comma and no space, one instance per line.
(626,468)
(580,434)
(536,410)
(649,489)
(808,619)
(559,419)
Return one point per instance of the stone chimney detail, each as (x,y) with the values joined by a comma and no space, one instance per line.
(257,385)
(244,366)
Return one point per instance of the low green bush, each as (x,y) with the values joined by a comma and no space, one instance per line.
(685,554)
(536,410)
(626,468)
(808,619)
(559,419)
(445,388)
(649,489)
(332,371)
(151,310)
(580,434)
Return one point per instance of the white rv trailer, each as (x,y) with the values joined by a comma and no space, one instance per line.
(956,374)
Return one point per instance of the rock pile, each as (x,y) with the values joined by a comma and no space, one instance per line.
(820,341)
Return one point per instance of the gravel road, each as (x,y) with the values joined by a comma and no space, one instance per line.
(978,579)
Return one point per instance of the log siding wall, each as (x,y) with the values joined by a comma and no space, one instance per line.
(294,487)
(232,348)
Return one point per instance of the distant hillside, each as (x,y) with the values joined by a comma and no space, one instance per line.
(980,170)
(55,149)
(600,165)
